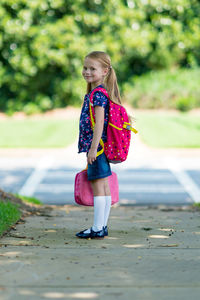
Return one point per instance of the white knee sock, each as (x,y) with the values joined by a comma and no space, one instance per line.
(107,209)
(99,210)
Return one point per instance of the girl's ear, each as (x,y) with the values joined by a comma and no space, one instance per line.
(105,71)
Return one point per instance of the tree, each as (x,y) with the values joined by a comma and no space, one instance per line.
(43,43)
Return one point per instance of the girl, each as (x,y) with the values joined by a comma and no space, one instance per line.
(98,72)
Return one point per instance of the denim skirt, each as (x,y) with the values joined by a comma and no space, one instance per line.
(100,168)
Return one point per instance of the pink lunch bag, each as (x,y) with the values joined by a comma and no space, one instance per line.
(83,191)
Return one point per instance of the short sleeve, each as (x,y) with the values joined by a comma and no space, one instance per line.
(99,99)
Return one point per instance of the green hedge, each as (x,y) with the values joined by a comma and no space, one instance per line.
(177,89)
(43,42)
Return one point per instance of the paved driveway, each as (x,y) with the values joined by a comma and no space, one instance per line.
(136,186)
(147,177)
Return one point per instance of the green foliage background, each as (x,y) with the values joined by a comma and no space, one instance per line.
(174,89)
(43,43)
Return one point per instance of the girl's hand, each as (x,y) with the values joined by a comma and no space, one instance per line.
(92,154)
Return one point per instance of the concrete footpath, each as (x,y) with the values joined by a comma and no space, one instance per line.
(150,253)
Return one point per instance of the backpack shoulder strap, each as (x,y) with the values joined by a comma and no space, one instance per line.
(92,118)
(98,89)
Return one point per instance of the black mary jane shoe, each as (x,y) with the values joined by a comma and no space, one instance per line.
(105,228)
(83,235)
(97,234)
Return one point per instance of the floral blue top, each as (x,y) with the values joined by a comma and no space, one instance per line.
(85,130)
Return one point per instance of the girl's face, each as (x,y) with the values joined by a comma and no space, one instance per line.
(93,72)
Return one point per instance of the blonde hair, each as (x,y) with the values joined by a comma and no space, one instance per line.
(110,81)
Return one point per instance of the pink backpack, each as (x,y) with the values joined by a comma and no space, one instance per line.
(118,131)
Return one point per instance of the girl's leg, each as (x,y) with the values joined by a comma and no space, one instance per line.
(102,202)
(108,202)
(100,187)
(99,203)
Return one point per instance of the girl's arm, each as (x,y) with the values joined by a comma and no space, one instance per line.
(97,134)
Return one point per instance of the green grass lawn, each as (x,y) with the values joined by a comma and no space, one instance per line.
(29,199)
(10,212)
(37,133)
(169,130)
(157,129)
(9,215)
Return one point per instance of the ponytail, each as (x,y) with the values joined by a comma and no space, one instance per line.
(111,86)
